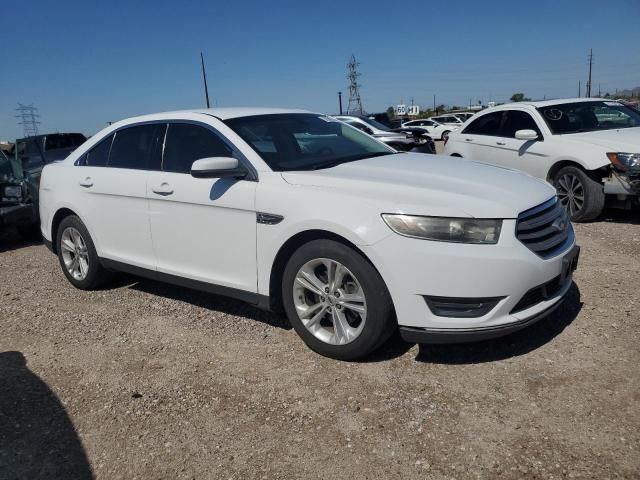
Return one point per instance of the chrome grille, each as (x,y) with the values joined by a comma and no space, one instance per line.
(545,229)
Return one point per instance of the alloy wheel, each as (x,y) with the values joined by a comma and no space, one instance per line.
(74,253)
(570,193)
(329,301)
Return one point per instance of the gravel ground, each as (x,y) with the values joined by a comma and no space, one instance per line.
(143,380)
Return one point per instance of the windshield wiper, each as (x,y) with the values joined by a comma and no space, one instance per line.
(353,158)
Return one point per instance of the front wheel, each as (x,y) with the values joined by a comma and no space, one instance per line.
(336,301)
(582,195)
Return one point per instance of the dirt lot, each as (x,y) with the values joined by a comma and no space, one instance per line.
(142,380)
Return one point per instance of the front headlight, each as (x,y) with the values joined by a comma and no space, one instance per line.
(459,230)
(13,192)
(624,161)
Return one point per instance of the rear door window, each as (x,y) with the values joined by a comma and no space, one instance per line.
(137,147)
(186,143)
(488,124)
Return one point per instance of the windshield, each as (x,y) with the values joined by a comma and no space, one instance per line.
(304,141)
(588,117)
(376,124)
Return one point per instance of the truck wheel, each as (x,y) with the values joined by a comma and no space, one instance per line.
(581,194)
(336,301)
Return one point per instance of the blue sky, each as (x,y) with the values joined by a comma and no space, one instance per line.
(85,63)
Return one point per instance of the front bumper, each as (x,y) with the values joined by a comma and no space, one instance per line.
(508,271)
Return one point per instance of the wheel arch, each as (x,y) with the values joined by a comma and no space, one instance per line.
(288,248)
(559,165)
(60,215)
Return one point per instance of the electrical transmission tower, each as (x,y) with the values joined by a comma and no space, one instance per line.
(28,116)
(355,103)
(590,66)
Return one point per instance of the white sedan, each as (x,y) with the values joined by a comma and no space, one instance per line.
(297,212)
(587,148)
(434,129)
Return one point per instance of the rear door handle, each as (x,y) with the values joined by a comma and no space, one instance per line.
(163,189)
(468,139)
(500,143)
(86,182)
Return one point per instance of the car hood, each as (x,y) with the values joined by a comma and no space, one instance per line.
(431,185)
(620,140)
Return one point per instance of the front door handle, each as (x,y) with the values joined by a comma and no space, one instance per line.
(163,189)
(469,139)
(86,182)
(500,143)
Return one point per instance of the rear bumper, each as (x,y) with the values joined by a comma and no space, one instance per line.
(445,336)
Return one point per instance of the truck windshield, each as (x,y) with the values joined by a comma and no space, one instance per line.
(304,141)
(55,141)
(588,117)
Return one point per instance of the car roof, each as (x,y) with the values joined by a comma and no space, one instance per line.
(221,113)
(559,101)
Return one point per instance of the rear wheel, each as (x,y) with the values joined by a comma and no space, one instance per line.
(582,195)
(77,255)
(336,301)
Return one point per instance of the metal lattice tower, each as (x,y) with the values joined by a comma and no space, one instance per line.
(28,115)
(355,103)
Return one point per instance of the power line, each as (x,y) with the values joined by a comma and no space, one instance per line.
(355,102)
(28,115)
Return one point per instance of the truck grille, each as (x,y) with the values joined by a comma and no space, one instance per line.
(545,229)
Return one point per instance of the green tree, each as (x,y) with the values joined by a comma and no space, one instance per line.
(391,113)
(519,97)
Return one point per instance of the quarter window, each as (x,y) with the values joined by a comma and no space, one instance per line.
(488,124)
(99,155)
(137,147)
(186,143)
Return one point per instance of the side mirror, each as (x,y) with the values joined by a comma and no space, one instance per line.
(217,167)
(526,135)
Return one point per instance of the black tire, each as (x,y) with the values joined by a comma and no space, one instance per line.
(445,134)
(380,317)
(96,274)
(589,187)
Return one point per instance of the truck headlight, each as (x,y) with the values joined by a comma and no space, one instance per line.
(13,192)
(440,229)
(624,161)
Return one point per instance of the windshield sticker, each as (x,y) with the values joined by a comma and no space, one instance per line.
(329,119)
(553,114)
(613,104)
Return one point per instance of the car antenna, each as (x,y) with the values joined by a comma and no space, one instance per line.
(204,77)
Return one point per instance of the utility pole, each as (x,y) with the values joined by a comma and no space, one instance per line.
(579,93)
(355,102)
(340,102)
(28,116)
(590,67)
(599,92)
(204,77)
(434,105)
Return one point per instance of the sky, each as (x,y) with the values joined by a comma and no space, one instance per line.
(84,63)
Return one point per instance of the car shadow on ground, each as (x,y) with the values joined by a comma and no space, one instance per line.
(513,345)
(11,240)
(615,215)
(200,299)
(37,438)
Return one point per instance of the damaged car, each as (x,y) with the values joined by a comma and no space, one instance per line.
(18,198)
(588,148)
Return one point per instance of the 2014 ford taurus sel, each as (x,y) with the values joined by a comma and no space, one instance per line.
(295,211)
